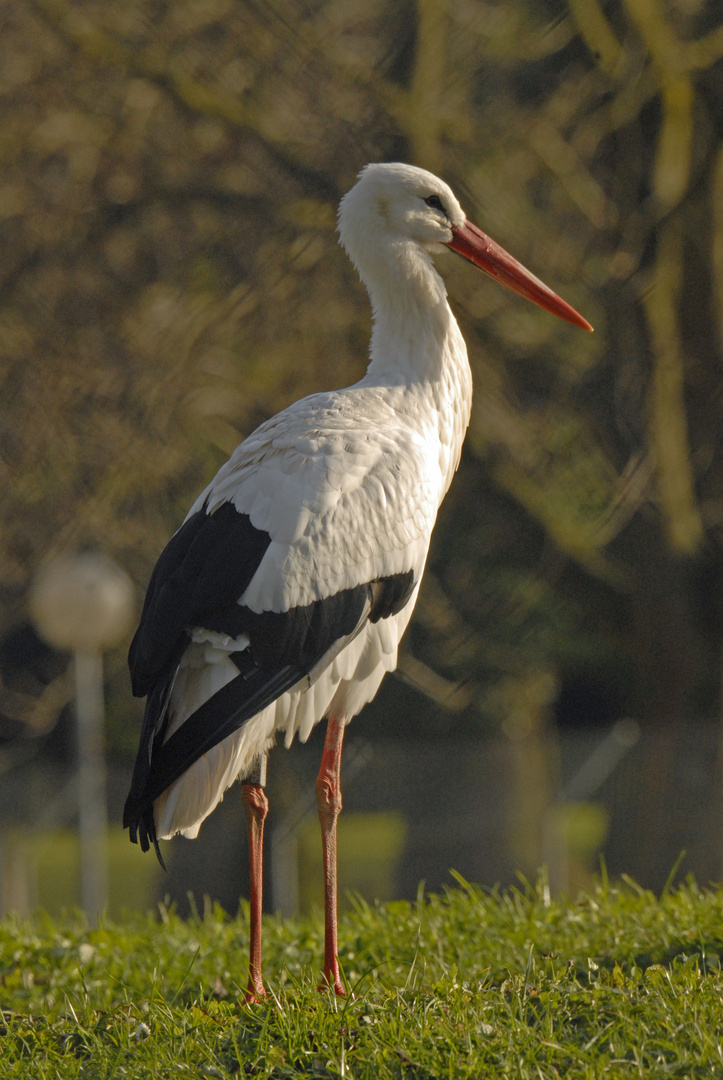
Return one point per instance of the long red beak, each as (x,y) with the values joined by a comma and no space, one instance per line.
(473,244)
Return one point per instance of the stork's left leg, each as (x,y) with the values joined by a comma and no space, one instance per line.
(328,801)
(256,806)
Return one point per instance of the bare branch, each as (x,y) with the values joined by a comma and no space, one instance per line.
(668,422)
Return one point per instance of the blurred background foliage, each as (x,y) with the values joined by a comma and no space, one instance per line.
(169,176)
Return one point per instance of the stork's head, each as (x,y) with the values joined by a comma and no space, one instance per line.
(402,209)
(399,203)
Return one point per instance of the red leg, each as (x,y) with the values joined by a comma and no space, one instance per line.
(328,801)
(256,806)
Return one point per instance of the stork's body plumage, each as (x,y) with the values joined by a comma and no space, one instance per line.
(283,596)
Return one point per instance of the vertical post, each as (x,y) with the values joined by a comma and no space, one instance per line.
(285,868)
(92,805)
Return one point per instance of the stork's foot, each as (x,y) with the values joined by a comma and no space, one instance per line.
(332,981)
(255,992)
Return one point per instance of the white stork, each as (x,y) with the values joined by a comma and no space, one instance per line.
(282,597)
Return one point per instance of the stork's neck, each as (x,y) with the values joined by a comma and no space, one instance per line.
(417,352)
(413,323)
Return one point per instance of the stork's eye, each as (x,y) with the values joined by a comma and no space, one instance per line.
(436,203)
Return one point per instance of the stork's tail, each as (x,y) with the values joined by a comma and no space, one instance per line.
(138,810)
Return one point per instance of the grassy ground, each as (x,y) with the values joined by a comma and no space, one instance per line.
(619,984)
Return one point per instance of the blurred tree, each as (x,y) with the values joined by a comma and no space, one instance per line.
(168,184)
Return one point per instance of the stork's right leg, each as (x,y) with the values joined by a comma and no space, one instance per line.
(256,806)
(328,801)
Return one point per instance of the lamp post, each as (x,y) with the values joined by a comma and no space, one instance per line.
(83,603)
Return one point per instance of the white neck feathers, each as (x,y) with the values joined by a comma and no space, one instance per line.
(417,353)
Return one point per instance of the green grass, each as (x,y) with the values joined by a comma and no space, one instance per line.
(469,984)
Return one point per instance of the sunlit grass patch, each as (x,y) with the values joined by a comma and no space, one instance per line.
(469,984)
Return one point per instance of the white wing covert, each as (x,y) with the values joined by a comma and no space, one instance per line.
(343,501)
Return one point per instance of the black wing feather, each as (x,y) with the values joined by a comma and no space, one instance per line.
(206,566)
